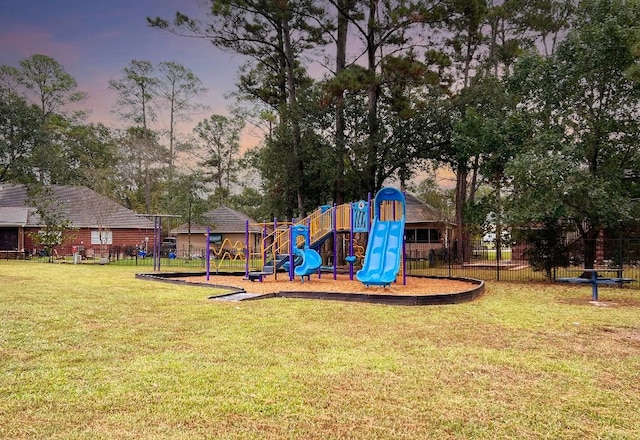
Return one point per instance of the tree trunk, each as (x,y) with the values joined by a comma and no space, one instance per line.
(171,133)
(341,61)
(461,197)
(498,220)
(589,241)
(373,93)
(294,115)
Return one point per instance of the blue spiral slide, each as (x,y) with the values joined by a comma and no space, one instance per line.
(311,262)
(384,248)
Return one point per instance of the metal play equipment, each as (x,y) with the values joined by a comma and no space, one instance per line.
(293,248)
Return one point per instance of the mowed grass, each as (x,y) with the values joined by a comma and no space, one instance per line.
(90,352)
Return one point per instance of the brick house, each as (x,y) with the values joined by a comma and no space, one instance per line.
(227,229)
(426,229)
(100,224)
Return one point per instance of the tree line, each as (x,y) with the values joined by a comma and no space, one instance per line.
(43,141)
(532,106)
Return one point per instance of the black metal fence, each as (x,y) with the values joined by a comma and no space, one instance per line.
(512,263)
(484,262)
(121,255)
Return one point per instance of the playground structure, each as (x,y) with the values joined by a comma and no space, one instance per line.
(298,248)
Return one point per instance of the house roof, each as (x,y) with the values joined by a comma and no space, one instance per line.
(13,216)
(418,211)
(222,220)
(84,208)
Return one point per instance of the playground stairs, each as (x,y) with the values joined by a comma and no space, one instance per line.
(280,260)
(268,268)
(321,225)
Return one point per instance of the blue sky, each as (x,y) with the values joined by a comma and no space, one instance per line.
(95,40)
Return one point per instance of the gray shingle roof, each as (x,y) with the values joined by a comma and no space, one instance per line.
(13,216)
(418,211)
(222,220)
(85,208)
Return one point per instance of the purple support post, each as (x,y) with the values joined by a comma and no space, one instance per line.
(246,249)
(291,247)
(308,242)
(370,208)
(351,241)
(335,242)
(263,253)
(207,253)
(275,254)
(157,239)
(393,213)
(404,254)
(404,260)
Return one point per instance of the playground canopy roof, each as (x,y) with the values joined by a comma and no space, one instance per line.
(222,220)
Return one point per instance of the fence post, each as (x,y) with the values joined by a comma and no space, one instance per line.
(620,258)
(498,257)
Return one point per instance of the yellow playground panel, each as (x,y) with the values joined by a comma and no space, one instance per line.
(226,252)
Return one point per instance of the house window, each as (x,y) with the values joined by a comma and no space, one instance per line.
(8,239)
(410,235)
(106,236)
(422,235)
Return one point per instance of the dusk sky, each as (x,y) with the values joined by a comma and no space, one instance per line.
(95,40)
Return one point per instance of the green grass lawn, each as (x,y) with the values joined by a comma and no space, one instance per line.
(90,352)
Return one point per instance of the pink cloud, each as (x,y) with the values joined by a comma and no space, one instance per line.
(23,41)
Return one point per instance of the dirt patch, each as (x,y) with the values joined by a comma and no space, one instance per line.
(602,301)
(414,286)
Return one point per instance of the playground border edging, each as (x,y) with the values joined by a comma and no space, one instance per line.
(169,277)
(407,300)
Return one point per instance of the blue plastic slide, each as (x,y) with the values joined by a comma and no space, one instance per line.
(311,262)
(384,248)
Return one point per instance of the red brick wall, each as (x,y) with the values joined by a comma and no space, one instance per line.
(120,238)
